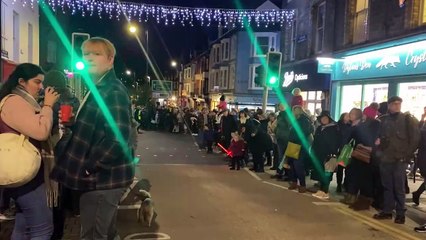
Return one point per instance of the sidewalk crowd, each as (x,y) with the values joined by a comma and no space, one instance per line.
(386,147)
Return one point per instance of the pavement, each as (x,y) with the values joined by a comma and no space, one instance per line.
(197,197)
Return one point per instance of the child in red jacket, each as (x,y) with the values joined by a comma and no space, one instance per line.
(236,150)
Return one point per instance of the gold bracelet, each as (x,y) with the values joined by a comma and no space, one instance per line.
(47,105)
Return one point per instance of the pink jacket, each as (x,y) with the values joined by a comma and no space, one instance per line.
(20,115)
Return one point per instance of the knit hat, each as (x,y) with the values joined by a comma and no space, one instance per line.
(370,112)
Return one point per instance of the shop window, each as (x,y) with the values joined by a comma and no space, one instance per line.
(312,101)
(414,97)
(361,21)
(375,93)
(423,13)
(320,27)
(351,97)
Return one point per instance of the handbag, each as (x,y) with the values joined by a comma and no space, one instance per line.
(362,153)
(293,150)
(20,160)
(344,157)
(331,165)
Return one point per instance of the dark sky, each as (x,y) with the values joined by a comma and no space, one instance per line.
(165,42)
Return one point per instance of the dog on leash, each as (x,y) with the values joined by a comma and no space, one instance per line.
(146,210)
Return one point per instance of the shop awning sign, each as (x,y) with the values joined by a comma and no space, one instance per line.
(408,59)
(289,77)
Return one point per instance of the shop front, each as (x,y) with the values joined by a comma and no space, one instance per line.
(378,72)
(314,86)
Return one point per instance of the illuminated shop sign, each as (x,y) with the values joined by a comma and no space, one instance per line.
(409,59)
(289,77)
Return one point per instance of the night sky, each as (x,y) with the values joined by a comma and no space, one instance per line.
(165,42)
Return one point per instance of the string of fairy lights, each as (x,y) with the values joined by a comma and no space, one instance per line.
(168,15)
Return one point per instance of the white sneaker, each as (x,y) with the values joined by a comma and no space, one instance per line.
(321,195)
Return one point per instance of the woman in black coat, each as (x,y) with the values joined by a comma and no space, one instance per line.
(362,175)
(344,127)
(325,144)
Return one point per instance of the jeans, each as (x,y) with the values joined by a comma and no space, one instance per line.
(281,147)
(393,180)
(98,211)
(297,170)
(34,221)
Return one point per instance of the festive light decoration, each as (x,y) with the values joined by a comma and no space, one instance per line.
(169,15)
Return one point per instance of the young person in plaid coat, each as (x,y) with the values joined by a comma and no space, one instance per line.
(93,159)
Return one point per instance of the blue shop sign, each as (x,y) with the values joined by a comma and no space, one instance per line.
(403,60)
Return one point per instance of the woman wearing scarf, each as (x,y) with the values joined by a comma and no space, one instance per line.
(21,114)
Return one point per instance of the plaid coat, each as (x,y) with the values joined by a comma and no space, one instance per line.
(91,158)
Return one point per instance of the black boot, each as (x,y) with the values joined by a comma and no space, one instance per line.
(416,198)
(382,216)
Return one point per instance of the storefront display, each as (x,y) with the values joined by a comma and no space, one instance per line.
(373,74)
(314,85)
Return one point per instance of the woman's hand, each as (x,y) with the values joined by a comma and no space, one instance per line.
(50,96)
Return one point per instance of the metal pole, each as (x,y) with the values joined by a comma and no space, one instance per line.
(265,98)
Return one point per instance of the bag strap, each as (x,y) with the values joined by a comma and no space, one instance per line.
(4,100)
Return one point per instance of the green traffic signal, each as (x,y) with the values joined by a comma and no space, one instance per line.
(274,69)
(272,80)
(79,65)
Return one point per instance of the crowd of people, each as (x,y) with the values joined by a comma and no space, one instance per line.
(387,139)
(84,160)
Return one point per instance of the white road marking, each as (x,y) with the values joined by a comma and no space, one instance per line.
(252,174)
(147,148)
(275,185)
(170,155)
(157,236)
(154,155)
(328,204)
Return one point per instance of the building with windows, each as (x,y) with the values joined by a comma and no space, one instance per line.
(19,36)
(380,52)
(233,60)
(311,35)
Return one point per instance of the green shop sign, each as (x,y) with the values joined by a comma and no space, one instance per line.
(408,59)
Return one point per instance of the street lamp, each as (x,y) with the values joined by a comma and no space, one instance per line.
(132,29)
(128,72)
(173,64)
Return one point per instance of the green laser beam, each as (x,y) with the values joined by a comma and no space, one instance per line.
(89,83)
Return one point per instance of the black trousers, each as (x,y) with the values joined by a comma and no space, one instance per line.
(360,178)
(258,161)
(236,161)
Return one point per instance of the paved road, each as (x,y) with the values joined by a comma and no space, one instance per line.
(197,197)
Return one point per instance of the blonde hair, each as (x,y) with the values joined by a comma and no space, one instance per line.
(109,47)
(236,134)
(296,90)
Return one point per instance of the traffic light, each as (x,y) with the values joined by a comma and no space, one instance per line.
(274,69)
(259,78)
(79,65)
